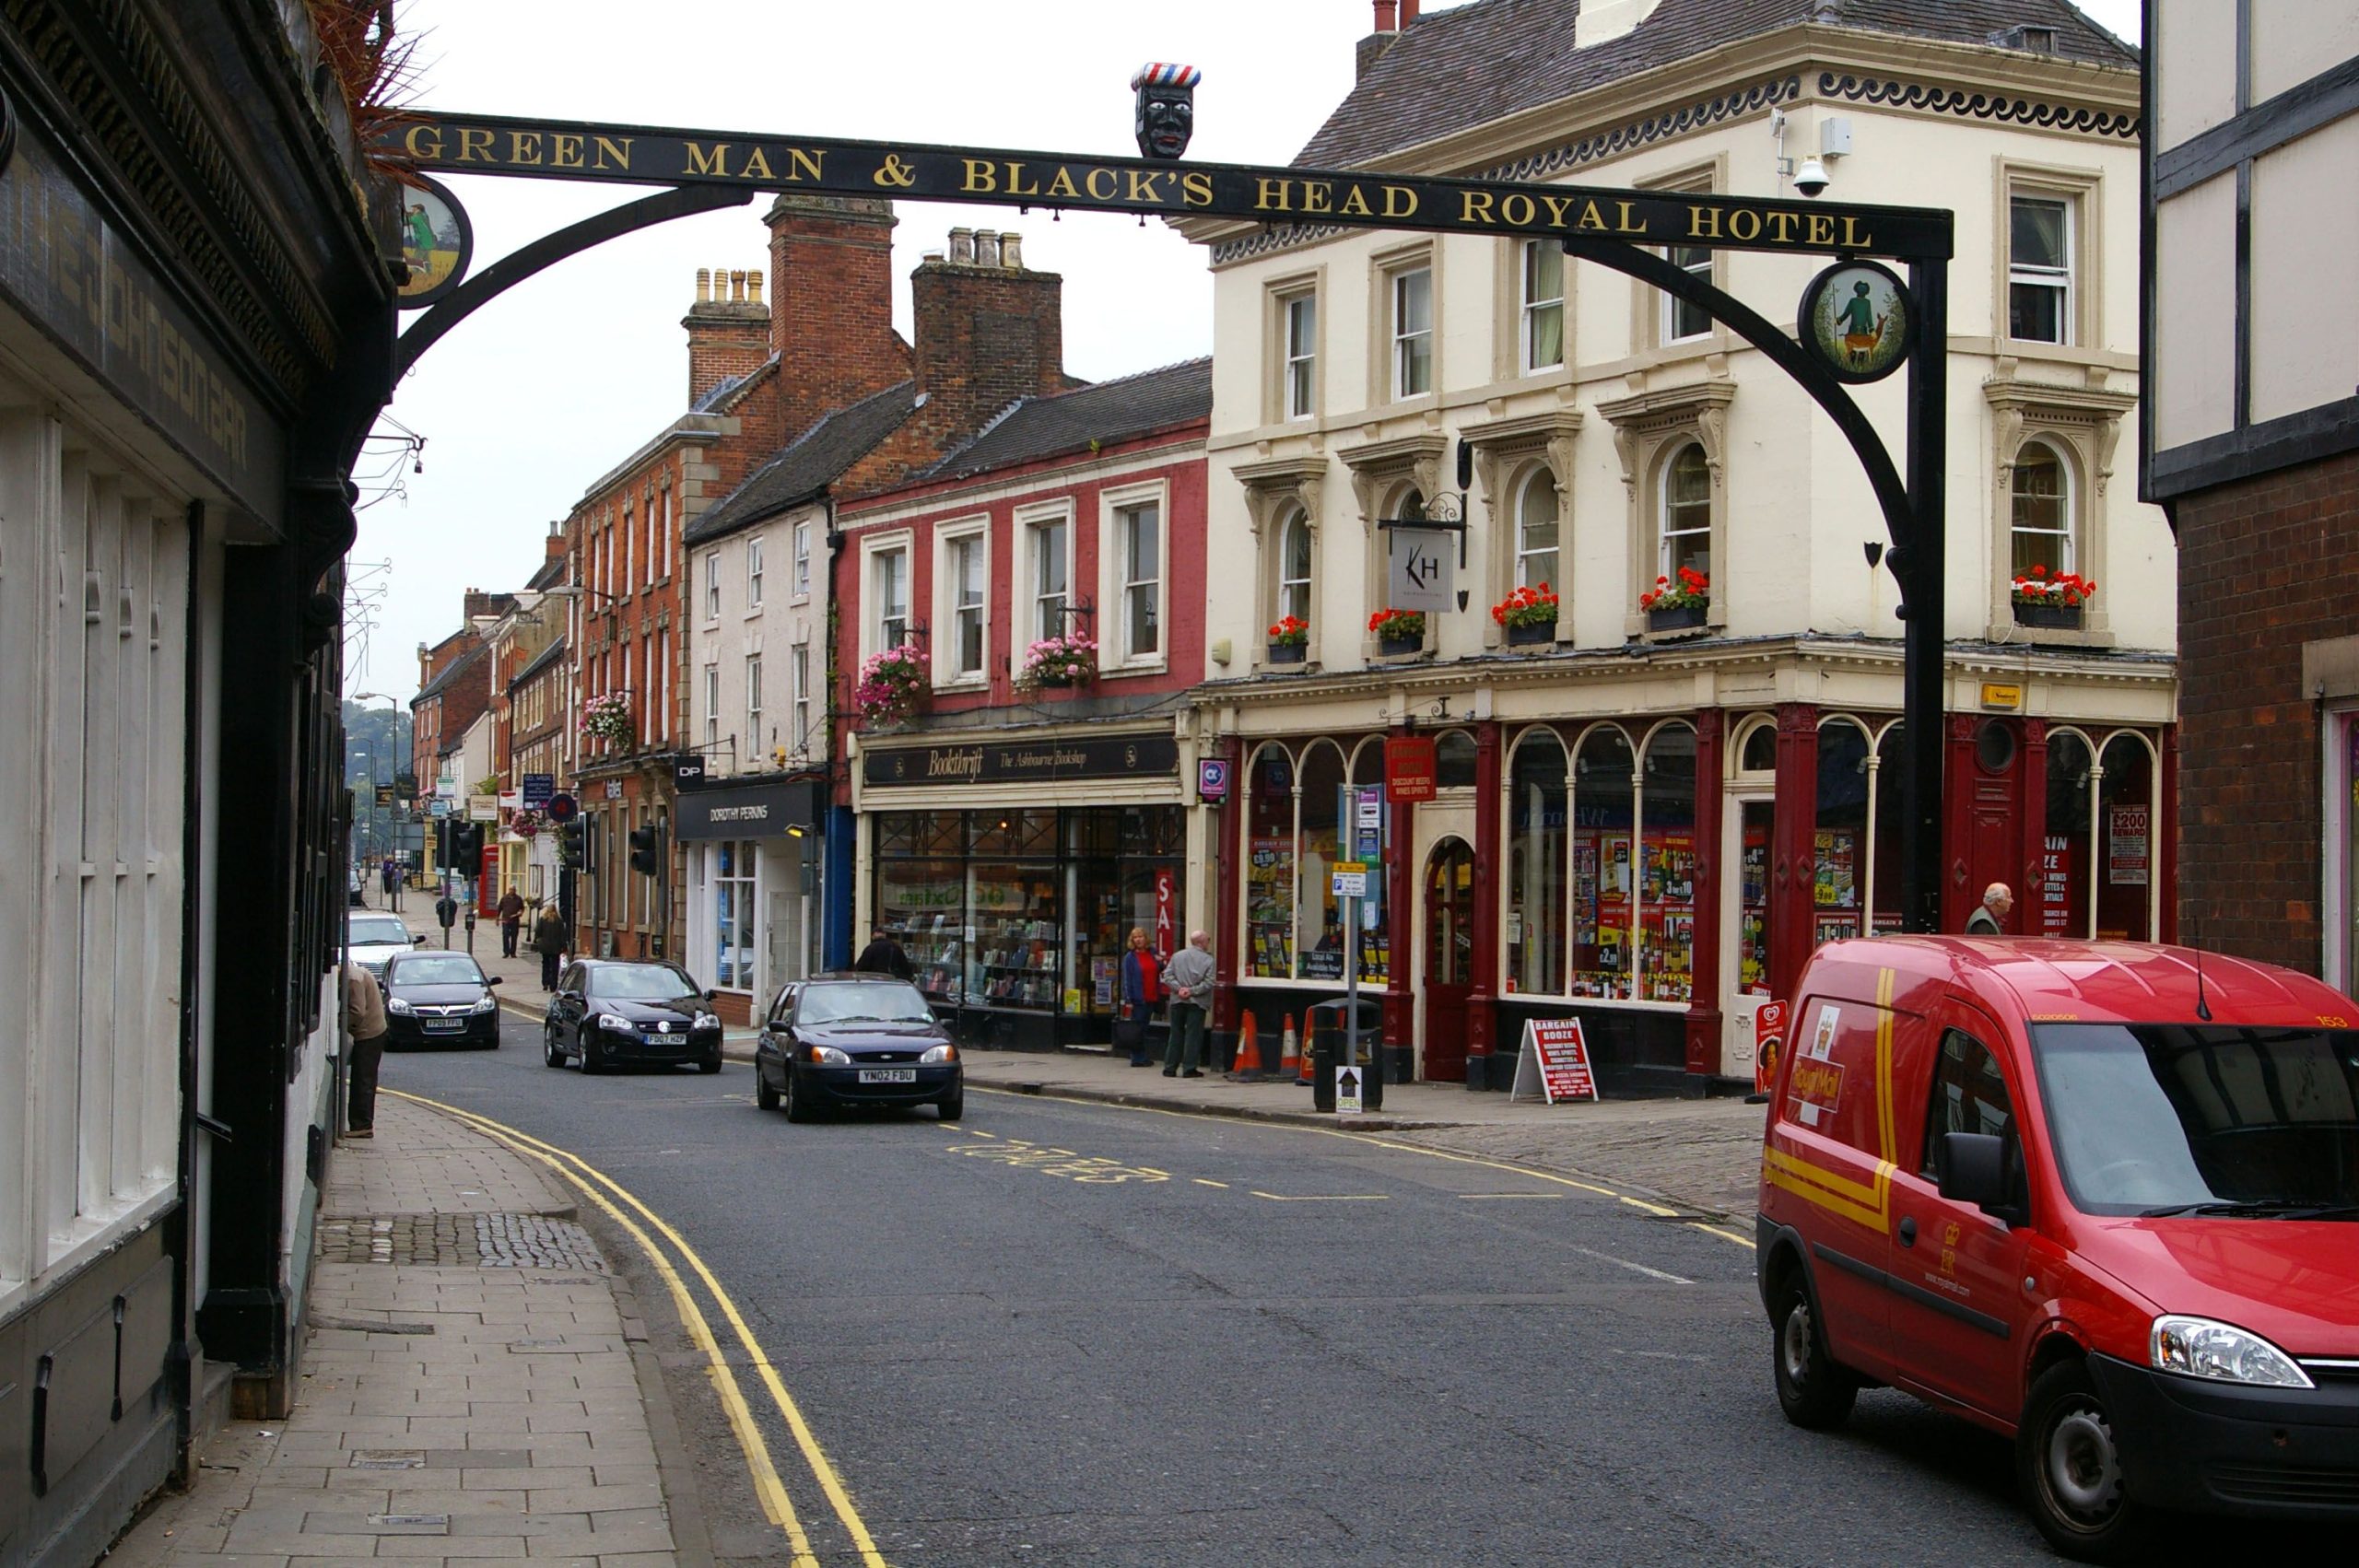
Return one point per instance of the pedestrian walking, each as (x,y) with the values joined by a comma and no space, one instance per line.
(1990,917)
(1142,989)
(883,955)
(1189,977)
(553,940)
(391,875)
(512,917)
(364,1033)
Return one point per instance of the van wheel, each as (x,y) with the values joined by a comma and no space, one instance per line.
(1813,1389)
(2069,1470)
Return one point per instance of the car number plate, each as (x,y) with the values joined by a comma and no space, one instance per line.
(443,1025)
(888,1075)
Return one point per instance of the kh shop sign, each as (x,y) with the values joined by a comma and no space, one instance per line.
(1001,762)
(480,143)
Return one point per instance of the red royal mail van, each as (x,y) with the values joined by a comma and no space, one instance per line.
(2101,1197)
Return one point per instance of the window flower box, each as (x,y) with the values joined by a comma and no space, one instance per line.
(1398,632)
(2051,600)
(1677,606)
(1529,614)
(1289,641)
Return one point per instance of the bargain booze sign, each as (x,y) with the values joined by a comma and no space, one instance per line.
(1409,768)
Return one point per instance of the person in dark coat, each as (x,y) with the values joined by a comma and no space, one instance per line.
(552,939)
(512,917)
(883,955)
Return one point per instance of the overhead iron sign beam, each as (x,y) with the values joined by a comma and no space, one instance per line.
(555,149)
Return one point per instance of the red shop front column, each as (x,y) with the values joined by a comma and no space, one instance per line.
(1704,1012)
(1482,1021)
(1229,840)
(1794,850)
(1399,932)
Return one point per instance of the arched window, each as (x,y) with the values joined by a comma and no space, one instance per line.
(1758,751)
(1667,866)
(2043,510)
(1269,870)
(1687,513)
(1537,823)
(1319,931)
(1604,774)
(1294,568)
(1454,760)
(1841,853)
(1535,532)
(2060,905)
(1890,770)
(2126,839)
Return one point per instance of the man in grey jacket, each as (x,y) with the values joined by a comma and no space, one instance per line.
(1188,979)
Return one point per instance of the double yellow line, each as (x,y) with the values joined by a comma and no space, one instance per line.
(776,1505)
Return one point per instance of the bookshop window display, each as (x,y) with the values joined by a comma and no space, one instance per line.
(1030,911)
(1602,900)
(1295,824)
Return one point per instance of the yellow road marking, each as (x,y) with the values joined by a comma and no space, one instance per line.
(1324,1197)
(768,1486)
(1547,1195)
(829,1481)
(1201,1182)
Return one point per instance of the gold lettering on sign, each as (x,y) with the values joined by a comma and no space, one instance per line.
(1517,209)
(474,144)
(802,165)
(564,152)
(1818,230)
(524,148)
(1143,186)
(1400,202)
(1113,185)
(1703,223)
(983,175)
(1016,185)
(1631,222)
(1197,187)
(1745,224)
(757,167)
(1474,206)
(703,162)
(1061,184)
(1270,196)
(1852,238)
(1590,216)
(424,143)
(1356,204)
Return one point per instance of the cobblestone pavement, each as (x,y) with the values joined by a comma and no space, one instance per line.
(468,1390)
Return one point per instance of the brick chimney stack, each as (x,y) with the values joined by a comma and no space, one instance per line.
(729,329)
(990,330)
(831,273)
(556,542)
(1389,22)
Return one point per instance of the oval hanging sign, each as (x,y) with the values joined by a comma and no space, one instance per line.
(1856,319)
(437,241)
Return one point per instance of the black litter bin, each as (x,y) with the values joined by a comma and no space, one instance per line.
(1327,1021)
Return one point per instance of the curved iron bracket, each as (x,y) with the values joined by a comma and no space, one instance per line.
(684,201)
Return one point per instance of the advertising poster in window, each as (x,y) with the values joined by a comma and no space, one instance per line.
(2126,829)
(2055,885)
(1835,884)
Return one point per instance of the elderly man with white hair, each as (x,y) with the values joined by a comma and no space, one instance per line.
(1189,979)
(1990,917)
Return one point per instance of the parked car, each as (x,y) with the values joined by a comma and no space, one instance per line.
(839,1040)
(612,1012)
(2101,1197)
(373,938)
(440,999)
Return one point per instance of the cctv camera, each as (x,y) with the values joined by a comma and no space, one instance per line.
(1811,178)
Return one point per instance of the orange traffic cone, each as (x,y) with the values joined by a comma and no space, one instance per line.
(1248,1055)
(1289,1053)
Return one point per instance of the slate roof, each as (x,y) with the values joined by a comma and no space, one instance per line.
(1106,413)
(538,663)
(807,465)
(1452,70)
(450,673)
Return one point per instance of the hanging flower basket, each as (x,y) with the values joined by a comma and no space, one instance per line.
(1398,632)
(1289,641)
(1676,606)
(2052,600)
(607,717)
(892,684)
(1054,661)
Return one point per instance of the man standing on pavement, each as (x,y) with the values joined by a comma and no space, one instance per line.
(552,939)
(364,1031)
(1189,979)
(1990,917)
(511,914)
(392,875)
(883,955)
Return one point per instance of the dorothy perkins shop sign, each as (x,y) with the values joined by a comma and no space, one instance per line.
(998,762)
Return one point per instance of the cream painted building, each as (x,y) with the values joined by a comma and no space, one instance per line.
(1637,822)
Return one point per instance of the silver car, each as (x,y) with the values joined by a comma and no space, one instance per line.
(374,937)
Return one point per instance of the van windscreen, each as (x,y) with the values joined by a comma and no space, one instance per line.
(2243,1121)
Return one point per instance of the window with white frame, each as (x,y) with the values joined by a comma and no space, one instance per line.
(753,572)
(630,545)
(1687,514)
(1682,320)
(659,520)
(712,704)
(1412,331)
(2039,268)
(1300,314)
(1051,574)
(802,558)
(802,669)
(1541,325)
(1294,568)
(967,560)
(712,585)
(733,912)
(2042,511)
(754,746)
(889,590)
(1535,530)
(1139,537)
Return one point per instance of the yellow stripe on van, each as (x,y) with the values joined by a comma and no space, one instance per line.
(1866,1203)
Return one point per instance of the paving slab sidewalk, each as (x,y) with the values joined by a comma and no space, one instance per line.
(469,1387)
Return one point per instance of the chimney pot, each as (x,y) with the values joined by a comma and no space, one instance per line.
(962,247)
(753,286)
(987,247)
(1011,250)
(738,287)
(1387,15)
(704,284)
(1408,11)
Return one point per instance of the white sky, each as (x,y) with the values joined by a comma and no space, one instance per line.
(539,393)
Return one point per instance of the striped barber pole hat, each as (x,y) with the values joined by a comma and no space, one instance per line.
(1156,73)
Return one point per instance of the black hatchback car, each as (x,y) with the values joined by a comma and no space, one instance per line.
(610,1012)
(440,999)
(839,1040)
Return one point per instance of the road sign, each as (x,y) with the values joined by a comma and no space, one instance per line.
(538,790)
(562,807)
(1409,768)
(1424,573)
(1351,879)
(1555,1062)
(1348,1091)
(439,807)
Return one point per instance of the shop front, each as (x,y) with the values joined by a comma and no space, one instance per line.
(1014,894)
(755,889)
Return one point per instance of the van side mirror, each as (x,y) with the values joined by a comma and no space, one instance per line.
(712,996)
(1974,1169)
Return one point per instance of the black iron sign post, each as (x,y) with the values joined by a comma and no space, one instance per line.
(1857,323)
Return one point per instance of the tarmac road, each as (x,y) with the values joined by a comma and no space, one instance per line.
(1065,1333)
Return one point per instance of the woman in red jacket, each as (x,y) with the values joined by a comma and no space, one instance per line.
(1142,992)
